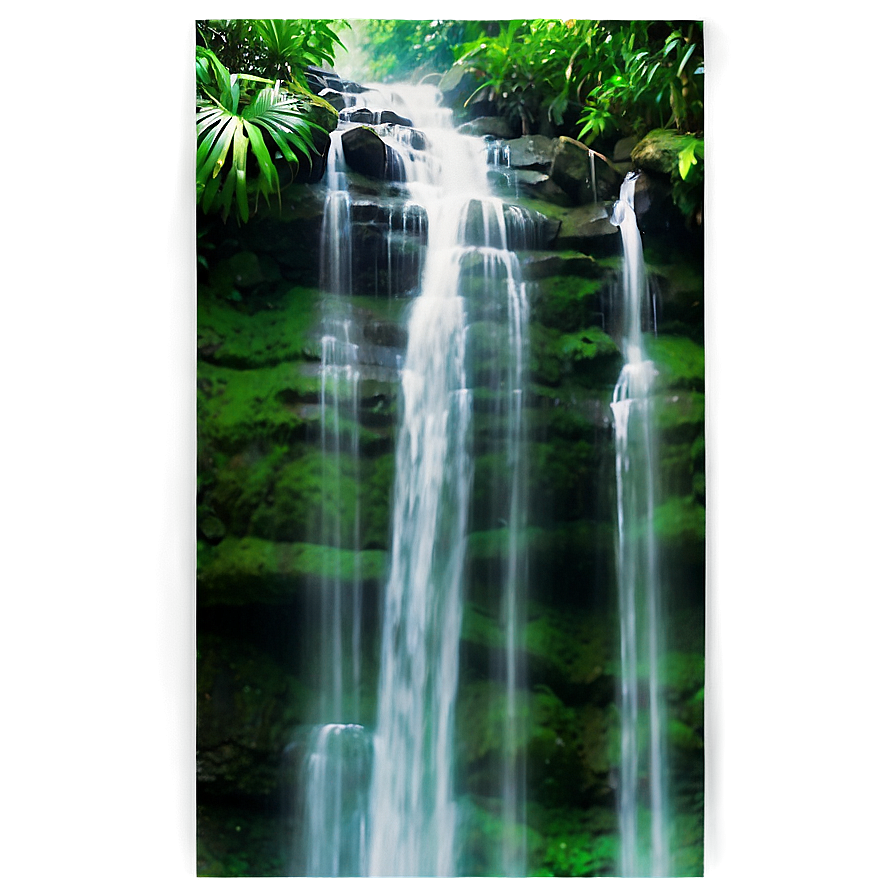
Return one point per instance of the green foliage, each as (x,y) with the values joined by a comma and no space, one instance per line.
(253,104)
(276,49)
(679,360)
(234,113)
(398,49)
(578,855)
(647,75)
(531,68)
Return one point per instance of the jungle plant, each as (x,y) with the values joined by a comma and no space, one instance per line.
(647,75)
(278,49)
(236,113)
(530,68)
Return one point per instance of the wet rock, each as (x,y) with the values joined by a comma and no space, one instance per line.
(458,84)
(582,225)
(659,150)
(365,152)
(365,116)
(546,190)
(622,151)
(320,79)
(334,97)
(536,265)
(379,332)
(487,126)
(528,151)
(573,168)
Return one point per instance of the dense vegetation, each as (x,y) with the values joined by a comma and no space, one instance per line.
(593,80)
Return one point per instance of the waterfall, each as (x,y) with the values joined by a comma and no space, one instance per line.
(381,801)
(642,791)
(332,778)
(413,811)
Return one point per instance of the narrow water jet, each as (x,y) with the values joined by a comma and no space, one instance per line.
(331,806)
(643,787)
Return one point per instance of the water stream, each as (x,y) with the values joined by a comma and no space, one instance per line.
(384,802)
(642,791)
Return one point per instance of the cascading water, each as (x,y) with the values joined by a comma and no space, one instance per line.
(332,780)
(642,790)
(413,812)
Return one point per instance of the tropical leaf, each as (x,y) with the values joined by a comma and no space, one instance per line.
(236,123)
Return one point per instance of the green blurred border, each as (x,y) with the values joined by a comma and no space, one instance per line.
(96,323)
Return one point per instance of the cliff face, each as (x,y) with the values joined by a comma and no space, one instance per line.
(264,482)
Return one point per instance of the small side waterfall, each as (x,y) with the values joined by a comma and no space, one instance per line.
(334,773)
(642,793)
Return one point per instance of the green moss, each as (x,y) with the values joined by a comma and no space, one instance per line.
(565,303)
(680,519)
(683,737)
(248,570)
(538,264)
(316,497)
(236,407)
(679,360)
(241,337)
(243,483)
(679,417)
(683,673)
(587,357)
(574,842)
(571,642)
(659,150)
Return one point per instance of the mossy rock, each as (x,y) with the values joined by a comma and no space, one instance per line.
(233,335)
(585,357)
(236,407)
(679,416)
(680,519)
(659,150)
(679,361)
(315,497)
(684,674)
(242,483)
(246,708)
(546,733)
(254,570)
(536,265)
(565,303)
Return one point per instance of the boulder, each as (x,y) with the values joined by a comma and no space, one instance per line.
(334,98)
(659,150)
(365,152)
(458,84)
(364,115)
(528,151)
(573,168)
(487,125)
(582,225)
(622,151)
